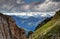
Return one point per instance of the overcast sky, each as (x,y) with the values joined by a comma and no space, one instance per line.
(29,5)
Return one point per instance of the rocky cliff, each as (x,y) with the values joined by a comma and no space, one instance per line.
(9,30)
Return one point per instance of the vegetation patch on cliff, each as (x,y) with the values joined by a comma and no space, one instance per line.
(50,30)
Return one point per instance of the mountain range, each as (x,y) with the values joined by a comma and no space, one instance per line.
(30,23)
(47,27)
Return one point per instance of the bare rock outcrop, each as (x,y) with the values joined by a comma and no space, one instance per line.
(9,29)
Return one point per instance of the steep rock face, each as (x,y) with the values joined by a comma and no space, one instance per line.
(9,30)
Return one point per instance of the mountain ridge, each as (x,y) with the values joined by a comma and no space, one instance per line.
(51,26)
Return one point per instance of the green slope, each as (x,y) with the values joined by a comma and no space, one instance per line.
(50,29)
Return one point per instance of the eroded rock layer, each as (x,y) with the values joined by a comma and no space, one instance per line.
(9,30)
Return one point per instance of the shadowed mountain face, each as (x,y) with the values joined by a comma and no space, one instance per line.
(9,30)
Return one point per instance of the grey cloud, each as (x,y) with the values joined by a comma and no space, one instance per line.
(48,6)
(10,5)
(55,0)
(21,6)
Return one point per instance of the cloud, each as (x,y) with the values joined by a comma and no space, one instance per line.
(28,14)
(20,2)
(22,6)
(55,0)
(10,5)
(30,24)
(47,6)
